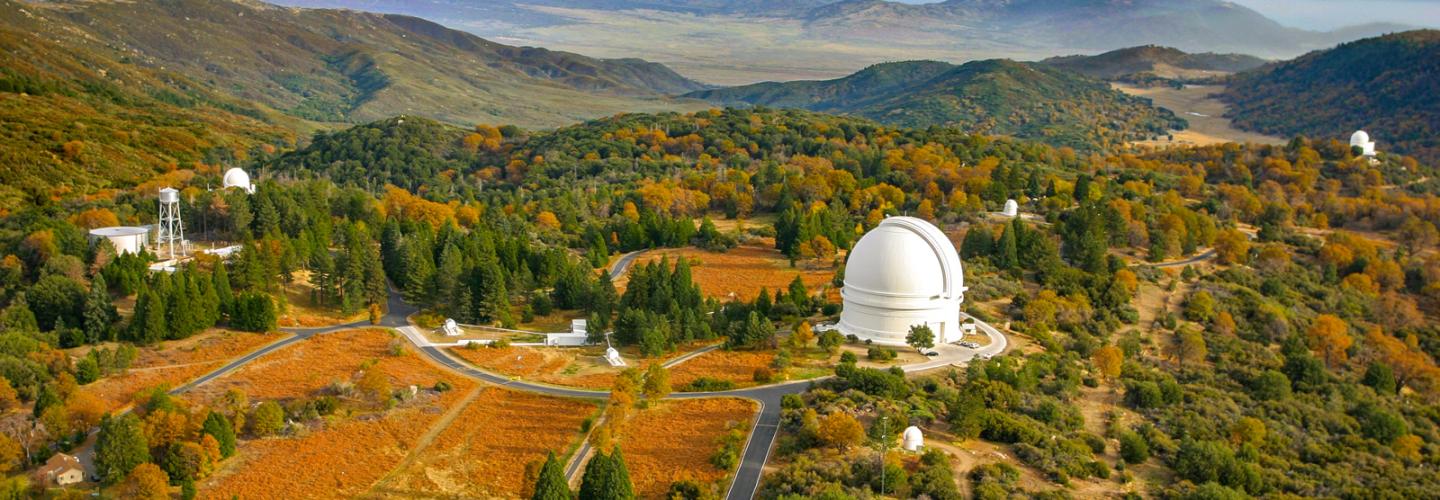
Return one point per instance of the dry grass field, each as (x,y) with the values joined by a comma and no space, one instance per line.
(583,367)
(341,460)
(302,312)
(484,452)
(342,455)
(1206,115)
(740,272)
(174,363)
(735,366)
(307,367)
(674,440)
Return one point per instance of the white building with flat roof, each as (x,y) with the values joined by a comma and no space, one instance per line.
(125,239)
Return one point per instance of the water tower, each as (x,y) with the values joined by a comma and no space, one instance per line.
(169,231)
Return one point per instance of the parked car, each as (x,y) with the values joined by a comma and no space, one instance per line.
(984,356)
(932,354)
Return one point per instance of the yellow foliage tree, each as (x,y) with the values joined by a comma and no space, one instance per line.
(840,430)
(1108,361)
(1329,337)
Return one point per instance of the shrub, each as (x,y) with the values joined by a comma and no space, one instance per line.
(876,353)
(706,384)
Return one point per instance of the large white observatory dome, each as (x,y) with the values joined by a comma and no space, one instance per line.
(237,178)
(905,272)
(1362,140)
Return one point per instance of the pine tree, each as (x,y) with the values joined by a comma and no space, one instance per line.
(594,484)
(226,296)
(1007,253)
(99,311)
(217,426)
(620,485)
(552,485)
(148,326)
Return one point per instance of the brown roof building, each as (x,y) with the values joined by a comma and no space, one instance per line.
(60,470)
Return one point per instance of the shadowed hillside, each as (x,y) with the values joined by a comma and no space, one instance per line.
(996,97)
(1386,86)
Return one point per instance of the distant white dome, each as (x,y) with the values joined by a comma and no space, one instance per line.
(237,178)
(912,439)
(905,272)
(1012,208)
(1361,140)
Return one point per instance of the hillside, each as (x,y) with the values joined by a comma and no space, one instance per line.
(1153,61)
(996,97)
(347,66)
(1386,86)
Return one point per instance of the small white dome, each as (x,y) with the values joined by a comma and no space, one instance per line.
(903,273)
(237,178)
(1012,208)
(912,439)
(1359,138)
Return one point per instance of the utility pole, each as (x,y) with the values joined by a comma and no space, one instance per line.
(884,446)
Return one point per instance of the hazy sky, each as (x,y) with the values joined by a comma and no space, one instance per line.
(1328,14)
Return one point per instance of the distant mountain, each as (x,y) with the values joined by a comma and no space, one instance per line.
(998,97)
(999,27)
(1387,86)
(1191,25)
(345,66)
(1154,61)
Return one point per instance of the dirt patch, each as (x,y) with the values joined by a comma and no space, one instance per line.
(1206,115)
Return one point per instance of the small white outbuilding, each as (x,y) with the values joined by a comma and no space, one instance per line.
(1012,208)
(451,328)
(912,439)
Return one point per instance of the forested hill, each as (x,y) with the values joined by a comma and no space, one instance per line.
(996,97)
(1154,61)
(1386,86)
(336,65)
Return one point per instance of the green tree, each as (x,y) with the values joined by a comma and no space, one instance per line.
(1007,251)
(1133,448)
(120,447)
(552,485)
(606,478)
(217,426)
(657,382)
(920,337)
(99,311)
(267,419)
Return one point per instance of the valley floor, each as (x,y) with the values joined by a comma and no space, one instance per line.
(1206,115)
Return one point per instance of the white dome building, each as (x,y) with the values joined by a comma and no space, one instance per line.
(912,439)
(905,272)
(1012,208)
(1362,140)
(237,178)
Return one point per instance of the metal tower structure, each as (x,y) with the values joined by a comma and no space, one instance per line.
(169,231)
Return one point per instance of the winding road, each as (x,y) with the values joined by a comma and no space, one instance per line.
(765,428)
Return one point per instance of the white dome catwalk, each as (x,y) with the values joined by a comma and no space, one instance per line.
(905,272)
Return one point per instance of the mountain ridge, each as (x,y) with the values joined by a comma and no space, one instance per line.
(996,96)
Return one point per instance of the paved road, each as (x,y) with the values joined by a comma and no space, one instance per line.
(623,264)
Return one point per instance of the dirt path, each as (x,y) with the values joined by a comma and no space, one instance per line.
(429,437)
(1205,114)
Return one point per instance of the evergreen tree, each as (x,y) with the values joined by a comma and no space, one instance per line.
(18,316)
(217,426)
(1007,252)
(45,399)
(147,326)
(99,311)
(552,485)
(223,292)
(594,484)
(120,447)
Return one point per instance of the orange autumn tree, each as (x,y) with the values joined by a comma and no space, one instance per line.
(1329,337)
(1412,367)
(1107,361)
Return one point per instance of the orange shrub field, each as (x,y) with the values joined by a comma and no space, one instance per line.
(345,456)
(173,364)
(735,366)
(674,440)
(516,361)
(342,460)
(309,365)
(568,366)
(484,451)
(743,270)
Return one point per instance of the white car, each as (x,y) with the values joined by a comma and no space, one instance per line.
(969,344)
